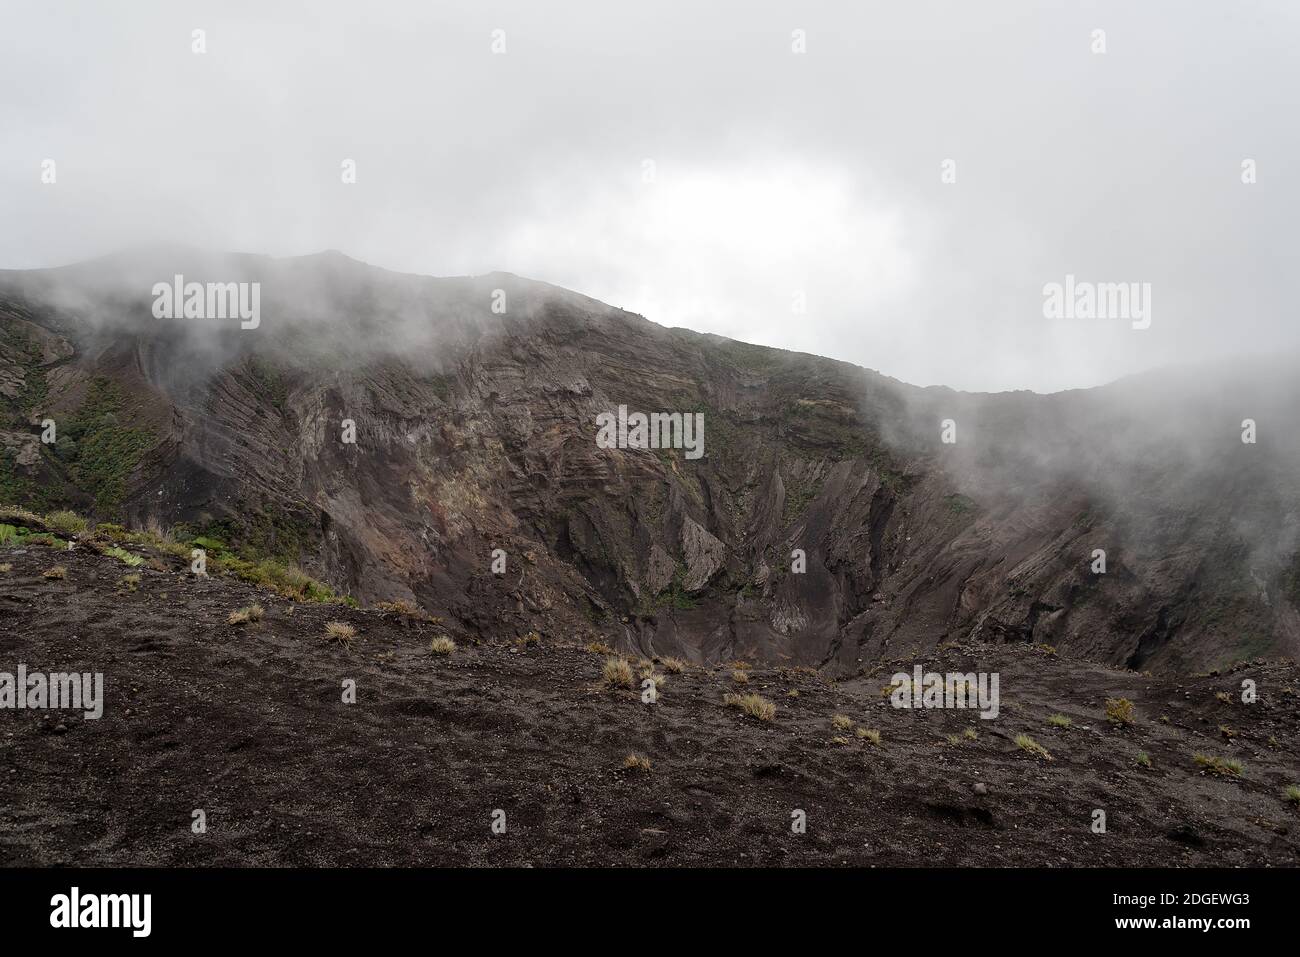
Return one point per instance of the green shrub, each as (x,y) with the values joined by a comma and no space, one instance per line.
(751,704)
(66,523)
(213,546)
(101,452)
(124,556)
(1119,710)
(1026,743)
(1218,766)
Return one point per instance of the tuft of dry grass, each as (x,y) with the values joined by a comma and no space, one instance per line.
(6,567)
(530,639)
(1223,696)
(58,571)
(1144,759)
(442,646)
(1293,794)
(1059,721)
(130,582)
(339,631)
(1119,710)
(245,615)
(617,672)
(1026,743)
(65,523)
(740,676)
(756,706)
(1221,767)
(841,722)
(870,735)
(402,608)
(970,734)
(674,666)
(636,762)
(840,739)
(598,648)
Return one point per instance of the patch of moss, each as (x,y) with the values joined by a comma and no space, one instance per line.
(441,386)
(101,451)
(721,435)
(824,423)
(16,488)
(673,595)
(959,504)
(11,537)
(676,595)
(27,353)
(286,580)
(280,534)
(897,482)
(798,496)
(267,382)
(122,555)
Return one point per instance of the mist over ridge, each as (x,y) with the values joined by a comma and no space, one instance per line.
(476,403)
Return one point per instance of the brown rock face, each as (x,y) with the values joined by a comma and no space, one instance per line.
(825,522)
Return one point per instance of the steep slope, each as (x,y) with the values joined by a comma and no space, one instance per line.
(476,429)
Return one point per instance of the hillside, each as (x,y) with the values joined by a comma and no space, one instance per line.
(476,430)
(247,723)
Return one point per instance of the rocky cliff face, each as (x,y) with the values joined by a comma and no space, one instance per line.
(826,521)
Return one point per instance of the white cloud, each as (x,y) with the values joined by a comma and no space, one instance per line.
(776,172)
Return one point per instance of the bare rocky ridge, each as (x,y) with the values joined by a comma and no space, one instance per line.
(476,431)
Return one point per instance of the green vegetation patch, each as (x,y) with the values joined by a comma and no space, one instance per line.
(100,450)
(16,487)
(959,504)
(26,351)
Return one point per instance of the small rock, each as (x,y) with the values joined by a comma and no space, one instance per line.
(60,728)
(981,788)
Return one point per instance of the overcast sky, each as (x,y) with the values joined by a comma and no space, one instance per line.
(775,174)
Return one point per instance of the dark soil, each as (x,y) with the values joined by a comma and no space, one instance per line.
(248,724)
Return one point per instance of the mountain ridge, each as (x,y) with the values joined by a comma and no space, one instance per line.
(476,431)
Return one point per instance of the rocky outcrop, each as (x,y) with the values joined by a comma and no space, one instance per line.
(401,439)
